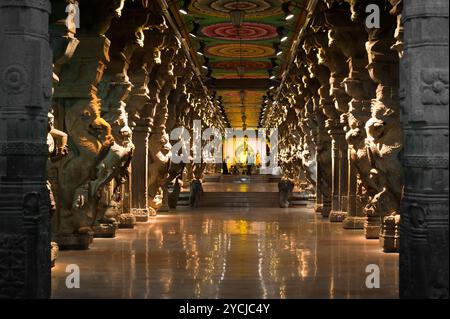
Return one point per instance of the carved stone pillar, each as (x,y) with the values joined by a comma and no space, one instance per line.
(64,44)
(82,192)
(325,111)
(424,89)
(25,99)
(141,108)
(350,37)
(384,136)
(331,57)
(126,35)
(159,144)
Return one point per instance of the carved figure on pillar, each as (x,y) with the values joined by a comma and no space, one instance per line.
(384,134)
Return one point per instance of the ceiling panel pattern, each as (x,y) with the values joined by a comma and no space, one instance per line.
(245,53)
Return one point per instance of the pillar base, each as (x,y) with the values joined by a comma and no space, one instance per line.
(390,239)
(318,208)
(126,221)
(326,210)
(337,216)
(372,227)
(151,212)
(74,241)
(141,215)
(53,253)
(105,230)
(353,222)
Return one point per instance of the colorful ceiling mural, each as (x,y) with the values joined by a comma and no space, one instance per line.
(247,32)
(241,52)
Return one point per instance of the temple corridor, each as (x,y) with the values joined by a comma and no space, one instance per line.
(224,149)
(246,253)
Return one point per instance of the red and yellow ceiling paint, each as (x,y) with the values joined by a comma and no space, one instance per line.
(251,48)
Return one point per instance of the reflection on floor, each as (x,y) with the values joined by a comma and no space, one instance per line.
(230,253)
(242,188)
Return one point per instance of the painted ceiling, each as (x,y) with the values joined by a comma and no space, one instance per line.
(252,48)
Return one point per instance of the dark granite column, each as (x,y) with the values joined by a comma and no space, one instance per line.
(424,103)
(25,98)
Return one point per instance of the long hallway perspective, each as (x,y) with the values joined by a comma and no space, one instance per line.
(248,253)
(282,149)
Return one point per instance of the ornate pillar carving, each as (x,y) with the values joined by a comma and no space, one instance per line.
(424,104)
(178,105)
(91,144)
(350,37)
(331,57)
(159,144)
(127,36)
(64,44)
(384,135)
(325,110)
(141,108)
(25,99)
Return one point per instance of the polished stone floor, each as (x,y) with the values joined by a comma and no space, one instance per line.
(241,187)
(230,253)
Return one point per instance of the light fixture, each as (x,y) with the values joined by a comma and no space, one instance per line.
(271,88)
(237,18)
(185,8)
(201,49)
(276,47)
(205,67)
(282,34)
(288,15)
(240,71)
(272,77)
(195,29)
(242,96)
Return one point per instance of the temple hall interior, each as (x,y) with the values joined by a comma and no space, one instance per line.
(216,149)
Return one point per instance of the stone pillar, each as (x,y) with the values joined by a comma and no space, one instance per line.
(64,44)
(25,99)
(326,116)
(92,146)
(141,111)
(335,61)
(349,36)
(384,135)
(126,35)
(159,143)
(424,83)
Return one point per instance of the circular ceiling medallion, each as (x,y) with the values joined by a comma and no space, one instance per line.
(243,50)
(247,31)
(247,65)
(252,8)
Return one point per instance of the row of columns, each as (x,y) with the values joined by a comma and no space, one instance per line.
(123,84)
(346,109)
(110,79)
